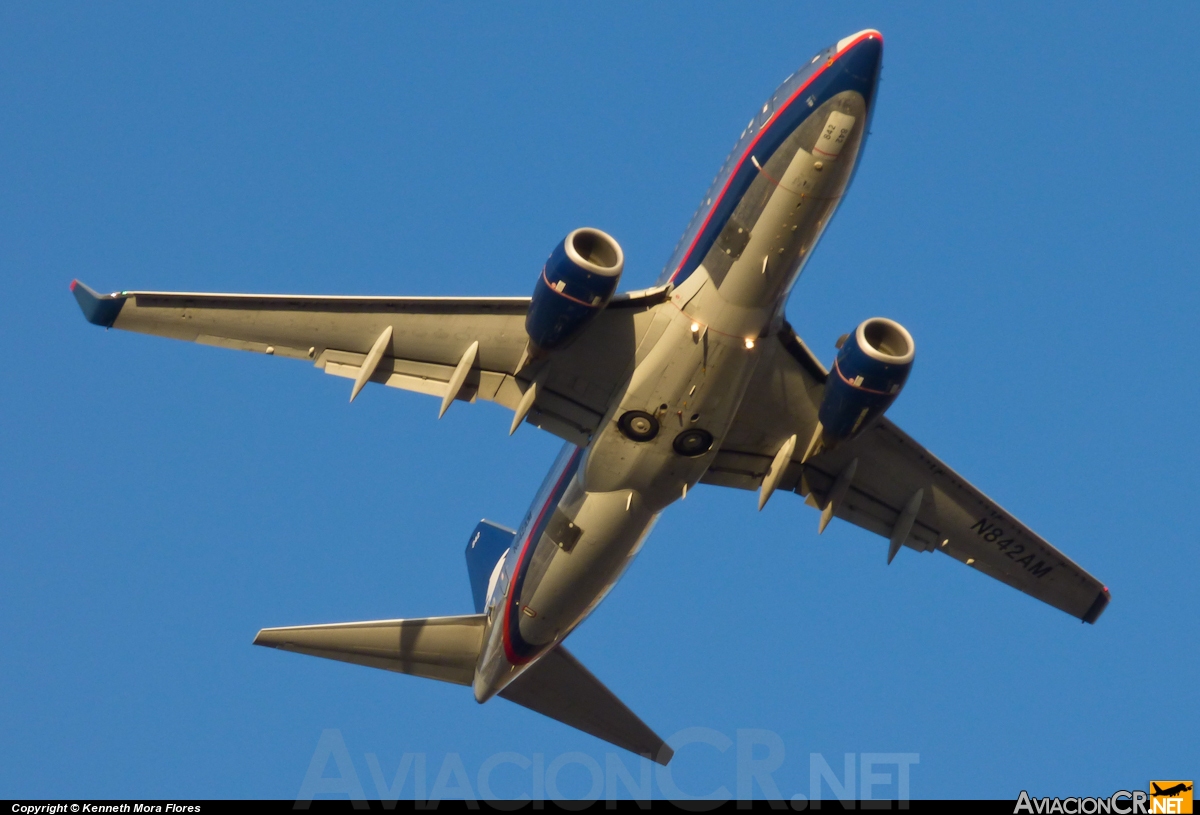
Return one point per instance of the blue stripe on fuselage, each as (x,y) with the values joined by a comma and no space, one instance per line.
(854,69)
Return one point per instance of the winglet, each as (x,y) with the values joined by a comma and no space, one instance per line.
(98,309)
(1098,606)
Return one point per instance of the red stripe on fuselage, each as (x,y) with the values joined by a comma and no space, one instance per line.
(766,126)
(513,598)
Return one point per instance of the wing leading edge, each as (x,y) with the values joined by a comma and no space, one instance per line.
(888,483)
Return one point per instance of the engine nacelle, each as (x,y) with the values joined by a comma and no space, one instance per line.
(578,280)
(868,373)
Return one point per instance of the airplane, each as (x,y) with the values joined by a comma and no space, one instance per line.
(698,379)
(1170,792)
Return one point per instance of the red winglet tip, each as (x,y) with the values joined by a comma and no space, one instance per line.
(74,283)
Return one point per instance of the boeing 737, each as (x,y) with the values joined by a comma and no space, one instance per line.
(699,379)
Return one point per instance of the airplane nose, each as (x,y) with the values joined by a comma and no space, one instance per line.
(860,56)
(857,37)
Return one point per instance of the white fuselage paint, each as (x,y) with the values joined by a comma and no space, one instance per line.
(713,327)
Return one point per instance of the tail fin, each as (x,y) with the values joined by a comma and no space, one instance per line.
(488,544)
(444,648)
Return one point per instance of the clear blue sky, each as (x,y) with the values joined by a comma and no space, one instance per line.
(1027,206)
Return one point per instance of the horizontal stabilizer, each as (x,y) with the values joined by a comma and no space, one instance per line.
(558,686)
(444,648)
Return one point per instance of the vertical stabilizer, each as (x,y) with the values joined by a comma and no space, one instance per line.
(488,543)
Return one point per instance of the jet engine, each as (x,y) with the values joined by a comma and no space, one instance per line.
(578,280)
(870,369)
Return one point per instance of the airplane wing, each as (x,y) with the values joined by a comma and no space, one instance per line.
(886,482)
(463,348)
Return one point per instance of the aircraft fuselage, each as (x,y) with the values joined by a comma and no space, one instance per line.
(731,275)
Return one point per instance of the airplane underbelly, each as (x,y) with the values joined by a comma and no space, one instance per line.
(571,558)
(687,392)
(571,573)
(659,439)
(776,224)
